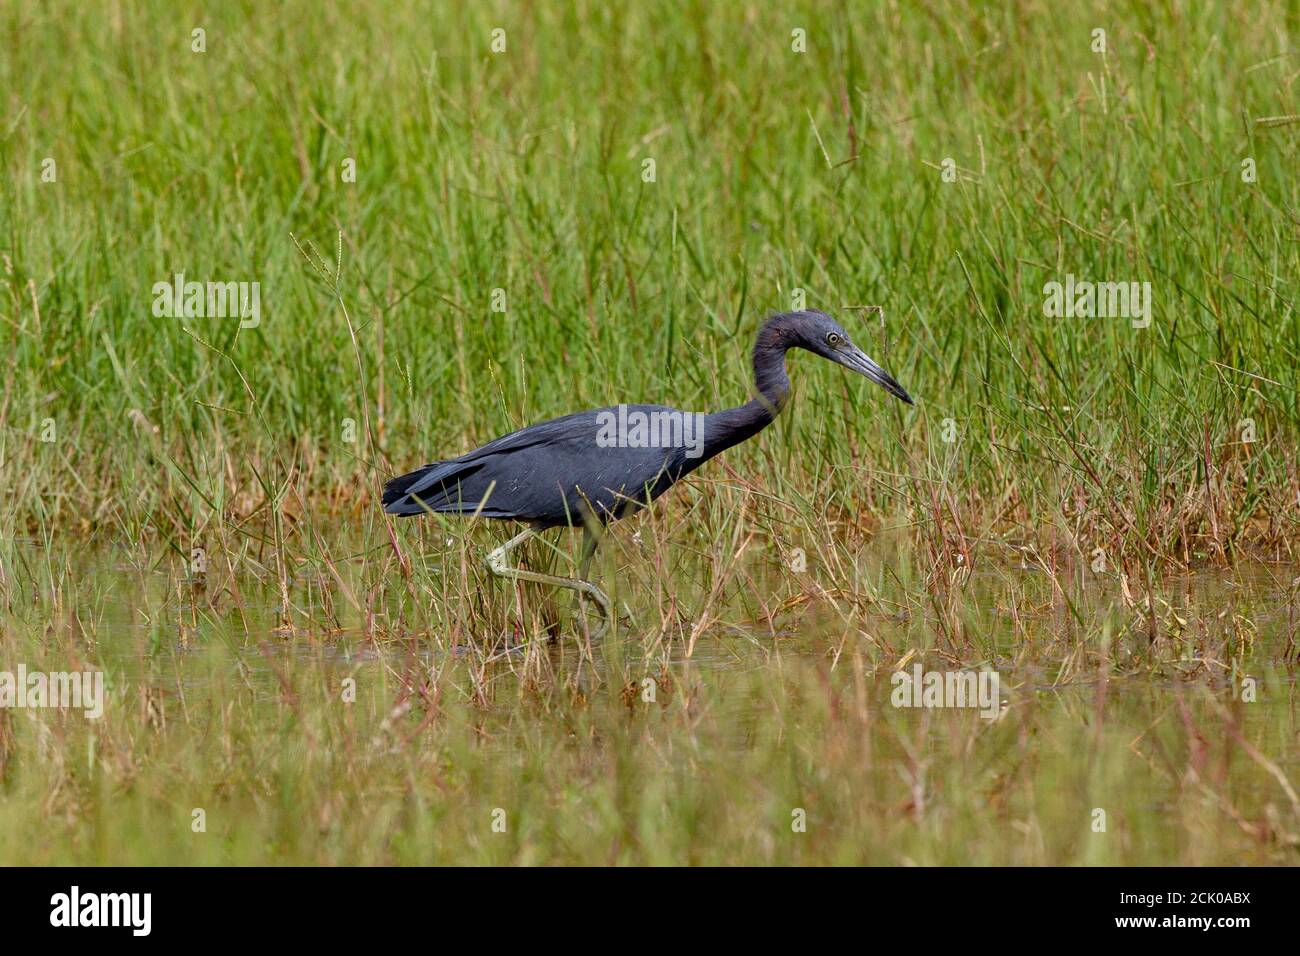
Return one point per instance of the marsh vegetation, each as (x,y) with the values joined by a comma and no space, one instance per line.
(453,240)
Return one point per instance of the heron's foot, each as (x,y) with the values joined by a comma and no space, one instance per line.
(496,562)
(625,614)
(599,596)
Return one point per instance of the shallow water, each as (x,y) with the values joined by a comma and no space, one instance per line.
(1190,741)
(146,616)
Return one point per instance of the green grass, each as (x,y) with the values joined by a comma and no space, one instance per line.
(776,171)
(1091,459)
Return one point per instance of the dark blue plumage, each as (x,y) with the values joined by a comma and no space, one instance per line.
(550,474)
(564,471)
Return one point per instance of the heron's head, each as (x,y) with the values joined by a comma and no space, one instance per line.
(818,332)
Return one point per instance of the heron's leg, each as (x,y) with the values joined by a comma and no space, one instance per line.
(590,539)
(591,536)
(496,562)
(496,558)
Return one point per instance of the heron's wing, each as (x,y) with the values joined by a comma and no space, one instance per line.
(549,473)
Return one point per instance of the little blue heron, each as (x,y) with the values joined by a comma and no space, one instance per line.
(594,467)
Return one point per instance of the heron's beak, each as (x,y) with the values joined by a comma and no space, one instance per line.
(854,358)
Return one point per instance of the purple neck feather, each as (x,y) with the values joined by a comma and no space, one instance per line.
(726,428)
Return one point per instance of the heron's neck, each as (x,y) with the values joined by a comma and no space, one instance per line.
(734,425)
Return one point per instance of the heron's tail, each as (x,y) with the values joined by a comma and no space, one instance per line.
(435,487)
(398,488)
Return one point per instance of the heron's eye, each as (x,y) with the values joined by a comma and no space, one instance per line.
(832,339)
